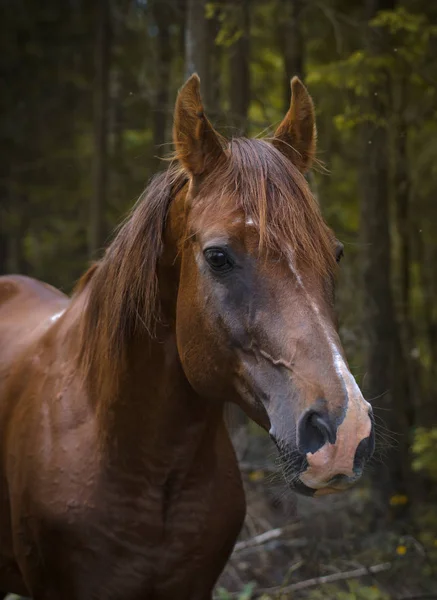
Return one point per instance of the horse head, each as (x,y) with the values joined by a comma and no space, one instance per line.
(254,318)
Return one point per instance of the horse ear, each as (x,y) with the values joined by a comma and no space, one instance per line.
(198,145)
(296,135)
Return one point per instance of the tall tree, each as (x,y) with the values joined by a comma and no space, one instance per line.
(402,193)
(162,12)
(202,54)
(380,324)
(213,81)
(239,61)
(293,46)
(101,105)
(195,39)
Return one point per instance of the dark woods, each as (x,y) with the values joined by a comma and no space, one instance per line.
(86,116)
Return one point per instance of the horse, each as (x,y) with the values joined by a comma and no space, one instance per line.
(118,477)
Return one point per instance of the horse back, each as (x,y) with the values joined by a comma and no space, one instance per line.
(27,308)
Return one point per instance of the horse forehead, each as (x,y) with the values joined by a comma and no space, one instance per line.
(215,224)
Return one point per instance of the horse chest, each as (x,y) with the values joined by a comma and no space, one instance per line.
(127,546)
(169,552)
(199,532)
(188,526)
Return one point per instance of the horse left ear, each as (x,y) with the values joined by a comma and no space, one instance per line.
(198,145)
(296,135)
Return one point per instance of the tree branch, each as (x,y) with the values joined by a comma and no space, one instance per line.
(307,583)
(262,538)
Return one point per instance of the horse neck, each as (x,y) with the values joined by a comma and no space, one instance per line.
(153,416)
(156,415)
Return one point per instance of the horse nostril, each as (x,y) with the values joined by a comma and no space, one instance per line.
(364,451)
(314,431)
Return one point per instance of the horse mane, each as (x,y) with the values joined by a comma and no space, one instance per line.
(122,288)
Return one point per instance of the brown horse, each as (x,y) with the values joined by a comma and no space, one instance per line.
(118,479)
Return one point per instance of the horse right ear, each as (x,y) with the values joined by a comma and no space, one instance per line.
(198,146)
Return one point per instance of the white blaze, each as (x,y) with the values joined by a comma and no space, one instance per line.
(339,363)
(338,458)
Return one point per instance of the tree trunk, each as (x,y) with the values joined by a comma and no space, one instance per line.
(293,46)
(212,86)
(202,55)
(239,57)
(402,188)
(402,185)
(161,14)
(382,380)
(3,235)
(426,260)
(195,40)
(292,43)
(17,224)
(116,118)
(101,105)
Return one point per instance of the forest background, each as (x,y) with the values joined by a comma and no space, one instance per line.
(85,120)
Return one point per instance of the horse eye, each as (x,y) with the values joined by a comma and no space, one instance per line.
(218,260)
(339,252)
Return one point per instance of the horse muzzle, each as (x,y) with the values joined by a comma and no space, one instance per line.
(327,459)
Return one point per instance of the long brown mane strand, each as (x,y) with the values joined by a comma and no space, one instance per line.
(122,289)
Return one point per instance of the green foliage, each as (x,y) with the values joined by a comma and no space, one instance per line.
(413,30)
(227,15)
(406,46)
(425,451)
(355,591)
(245,594)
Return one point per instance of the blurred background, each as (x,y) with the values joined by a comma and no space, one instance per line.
(86,114)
